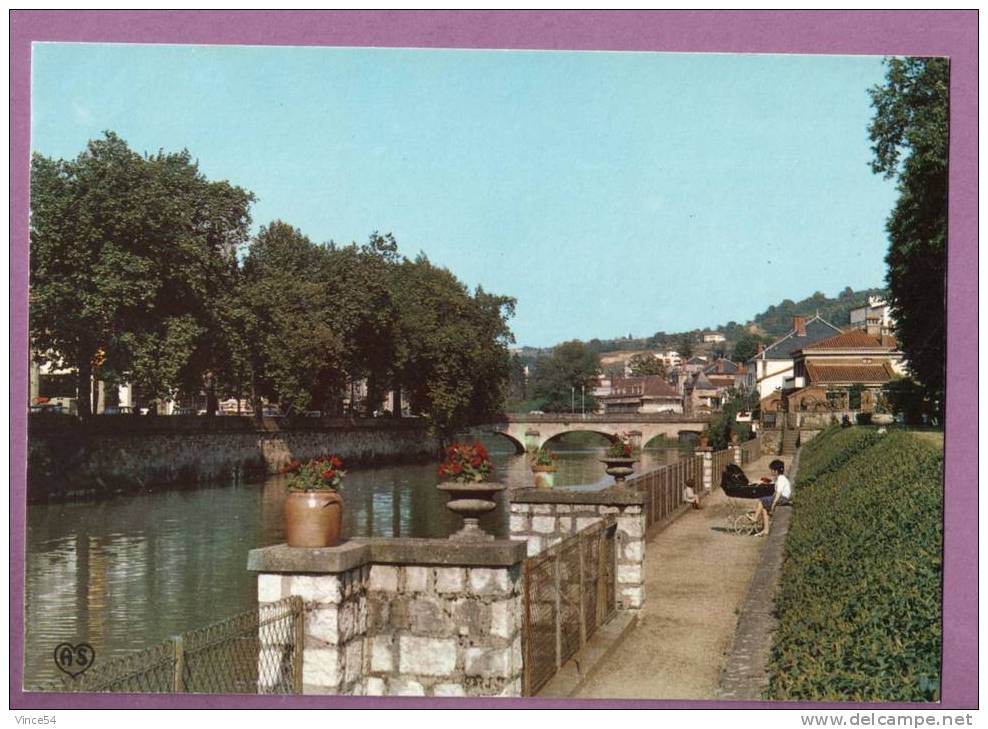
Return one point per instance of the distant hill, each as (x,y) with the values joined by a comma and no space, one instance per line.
(770,324)
(777,320)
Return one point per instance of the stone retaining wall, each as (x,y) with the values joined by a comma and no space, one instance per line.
(72,462)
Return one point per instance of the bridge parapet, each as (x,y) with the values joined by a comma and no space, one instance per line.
(531,432)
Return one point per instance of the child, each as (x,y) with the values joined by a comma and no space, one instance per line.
(782,495)
(689,496)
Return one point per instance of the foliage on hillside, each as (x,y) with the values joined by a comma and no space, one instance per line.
(763,328)
(776,320)
(859,599)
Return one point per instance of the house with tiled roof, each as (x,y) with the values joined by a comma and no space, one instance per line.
(845,372)
(701,395)
(645,394)
(768,370)
(724,374)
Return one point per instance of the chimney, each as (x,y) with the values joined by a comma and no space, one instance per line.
(873,326)
(799,324)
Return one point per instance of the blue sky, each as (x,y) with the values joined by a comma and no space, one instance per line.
(610,193)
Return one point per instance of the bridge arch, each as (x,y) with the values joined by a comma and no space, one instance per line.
(673,438)
(609,437)
(518,445)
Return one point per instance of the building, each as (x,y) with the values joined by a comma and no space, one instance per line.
(701,395)
(845,372)
(709,337)
(648,394)
(767,371)
(875,316)
(725,374)
(52,388)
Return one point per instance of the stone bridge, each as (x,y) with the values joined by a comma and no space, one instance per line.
(531,432)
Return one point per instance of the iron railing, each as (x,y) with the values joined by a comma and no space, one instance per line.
(255,652)
(719,461)
(569,592)
(662,488)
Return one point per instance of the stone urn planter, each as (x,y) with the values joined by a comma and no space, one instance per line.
(313,518)
(544,476)
(619,468)
(471,500)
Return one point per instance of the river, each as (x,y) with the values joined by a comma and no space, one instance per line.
(122,574)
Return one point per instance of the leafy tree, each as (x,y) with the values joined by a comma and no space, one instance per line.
(293,307)
(559,377)
(746,347)
(686,345)
(909,132)
(724,423)
(128,252)
(644,363)
(451,348)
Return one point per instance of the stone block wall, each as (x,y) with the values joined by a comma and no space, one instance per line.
(544,518)
(444,631)
(335,626)
(404,617)
(771,442)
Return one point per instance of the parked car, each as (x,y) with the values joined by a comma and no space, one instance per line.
(535,412)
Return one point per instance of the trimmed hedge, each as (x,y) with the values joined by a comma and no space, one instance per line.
(859,598)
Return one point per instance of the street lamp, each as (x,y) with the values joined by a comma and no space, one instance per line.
(583,393)
(572,399)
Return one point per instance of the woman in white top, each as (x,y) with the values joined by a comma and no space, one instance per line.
(782,495)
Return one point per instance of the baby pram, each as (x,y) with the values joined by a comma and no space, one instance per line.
(735,484)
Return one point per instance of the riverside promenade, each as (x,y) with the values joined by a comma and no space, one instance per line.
(697,574)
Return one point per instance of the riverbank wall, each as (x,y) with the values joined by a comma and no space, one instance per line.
(111,455)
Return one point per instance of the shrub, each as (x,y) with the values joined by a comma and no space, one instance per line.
(859,597)
(863,418)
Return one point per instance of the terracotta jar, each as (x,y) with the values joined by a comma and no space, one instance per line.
(313,518)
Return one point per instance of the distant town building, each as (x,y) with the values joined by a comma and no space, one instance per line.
(767,370)
(701,395)
(647,394)
(827,372)
(724,374)
(709,337)
(874,317)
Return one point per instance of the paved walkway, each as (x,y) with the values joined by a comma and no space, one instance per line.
(696,577)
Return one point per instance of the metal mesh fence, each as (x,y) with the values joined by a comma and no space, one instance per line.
(258,651)
(569,593)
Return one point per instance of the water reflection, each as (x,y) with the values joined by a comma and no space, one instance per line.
(125,573)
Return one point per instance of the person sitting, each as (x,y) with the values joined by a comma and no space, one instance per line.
(782,495)
(689,495)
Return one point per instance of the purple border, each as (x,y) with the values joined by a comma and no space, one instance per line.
(947,33)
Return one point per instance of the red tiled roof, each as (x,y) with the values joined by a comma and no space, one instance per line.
(833,373)
(854,339)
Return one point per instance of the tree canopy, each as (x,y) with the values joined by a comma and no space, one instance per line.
(569,372)
(135,272)
(909,134)
(644,363)
(128,253)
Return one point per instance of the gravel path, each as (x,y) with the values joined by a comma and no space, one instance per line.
(696,576)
